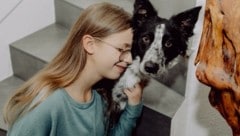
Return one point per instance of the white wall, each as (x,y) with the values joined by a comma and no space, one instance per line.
(196,117)
(167,8)
(28,17)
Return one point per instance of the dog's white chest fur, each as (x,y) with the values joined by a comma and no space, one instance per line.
(130,77)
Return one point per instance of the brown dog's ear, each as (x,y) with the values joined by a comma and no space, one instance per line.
(185,21)
(143,10)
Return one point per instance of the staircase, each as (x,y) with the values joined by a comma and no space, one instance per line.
(32,53)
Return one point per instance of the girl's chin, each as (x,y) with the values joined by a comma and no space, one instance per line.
(116,73)
(115,76)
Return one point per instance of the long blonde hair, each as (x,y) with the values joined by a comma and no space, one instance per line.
(98,20)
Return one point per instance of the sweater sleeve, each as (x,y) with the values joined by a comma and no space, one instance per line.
(127,121)
(40,121)
(35,123)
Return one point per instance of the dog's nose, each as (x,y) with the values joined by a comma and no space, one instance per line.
(151,67)
(119,95)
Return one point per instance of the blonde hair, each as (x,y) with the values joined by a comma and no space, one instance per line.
(98,20)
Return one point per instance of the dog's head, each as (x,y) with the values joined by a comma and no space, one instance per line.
(159,41)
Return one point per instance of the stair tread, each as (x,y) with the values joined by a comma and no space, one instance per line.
(126,4)
(43,44)
(161,98)
(7,87)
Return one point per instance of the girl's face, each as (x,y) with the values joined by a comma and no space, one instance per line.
(113,54)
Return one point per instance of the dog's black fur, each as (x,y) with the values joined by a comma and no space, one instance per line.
(157,43)
(177,31)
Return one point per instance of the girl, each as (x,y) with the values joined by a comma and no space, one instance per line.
(60,99)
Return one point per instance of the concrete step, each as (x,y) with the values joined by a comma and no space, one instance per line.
(160,105)
(176,77)
(66,13)
(152,123)
(161,98)
(31,53)
(125,4)
(7,87)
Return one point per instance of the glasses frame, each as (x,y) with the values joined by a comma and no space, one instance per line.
(123,52)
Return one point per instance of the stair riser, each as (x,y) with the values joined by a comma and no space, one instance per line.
(66,13)
(25,65)
(152,123)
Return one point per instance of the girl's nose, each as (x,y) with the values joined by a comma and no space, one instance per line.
(128,58)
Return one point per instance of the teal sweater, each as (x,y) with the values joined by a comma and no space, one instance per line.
(60,115)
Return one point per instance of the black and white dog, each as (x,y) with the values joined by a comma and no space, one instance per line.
(157,43)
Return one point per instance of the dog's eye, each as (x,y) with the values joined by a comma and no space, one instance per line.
(168,44)
(146,39)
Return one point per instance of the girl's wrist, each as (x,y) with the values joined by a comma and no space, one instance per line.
(134,102)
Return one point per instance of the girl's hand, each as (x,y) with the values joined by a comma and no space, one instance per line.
(134,94)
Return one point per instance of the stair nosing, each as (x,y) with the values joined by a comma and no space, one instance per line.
(38,56)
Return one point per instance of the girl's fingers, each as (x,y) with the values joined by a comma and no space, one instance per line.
(128,92)
(134,94)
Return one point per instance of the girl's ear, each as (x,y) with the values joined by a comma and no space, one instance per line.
(88,43)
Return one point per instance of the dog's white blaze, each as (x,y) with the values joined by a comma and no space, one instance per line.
(155,53)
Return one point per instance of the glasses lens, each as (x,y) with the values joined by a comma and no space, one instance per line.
(123,54)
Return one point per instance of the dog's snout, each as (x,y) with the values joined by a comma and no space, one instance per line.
(151,67)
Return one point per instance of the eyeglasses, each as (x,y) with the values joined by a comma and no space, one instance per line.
(124,53)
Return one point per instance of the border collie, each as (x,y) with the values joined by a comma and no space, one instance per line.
(157,43)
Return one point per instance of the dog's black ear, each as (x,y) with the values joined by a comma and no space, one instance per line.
(185,21)
(143,10)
